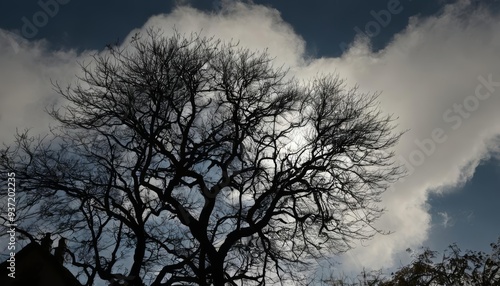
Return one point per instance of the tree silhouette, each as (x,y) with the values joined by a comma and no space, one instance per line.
(453,267)
(185,160)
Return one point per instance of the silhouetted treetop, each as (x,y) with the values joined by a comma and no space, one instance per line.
(186,160)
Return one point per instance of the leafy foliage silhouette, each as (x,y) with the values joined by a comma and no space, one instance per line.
(455,267)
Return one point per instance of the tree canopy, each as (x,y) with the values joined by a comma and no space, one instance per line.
(185,160)
(452,267)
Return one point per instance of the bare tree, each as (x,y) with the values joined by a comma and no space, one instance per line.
(184,160)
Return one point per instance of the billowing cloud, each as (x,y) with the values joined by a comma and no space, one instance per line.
(440,76)
(255,27)
(27,72)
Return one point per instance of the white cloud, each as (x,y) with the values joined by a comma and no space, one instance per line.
(427,70)
(470,217)
(255,27)
(25,83)
(446,219)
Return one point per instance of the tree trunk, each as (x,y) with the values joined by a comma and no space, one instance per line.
(218,272)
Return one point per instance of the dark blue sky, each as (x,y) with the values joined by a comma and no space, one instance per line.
(92,24)
(325,26)
(471,209)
